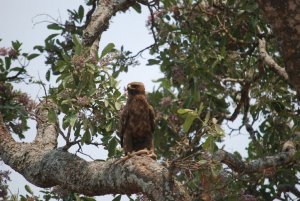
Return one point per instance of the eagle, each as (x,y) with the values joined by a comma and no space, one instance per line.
(137,122)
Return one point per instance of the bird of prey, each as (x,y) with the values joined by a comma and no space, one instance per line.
(137,123)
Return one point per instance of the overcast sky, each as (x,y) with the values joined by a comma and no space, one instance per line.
(19,20)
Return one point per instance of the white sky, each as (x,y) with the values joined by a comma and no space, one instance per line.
(17,23)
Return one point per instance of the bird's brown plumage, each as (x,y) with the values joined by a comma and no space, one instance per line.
(137,120)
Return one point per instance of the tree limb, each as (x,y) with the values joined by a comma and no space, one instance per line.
(44,165)
(259,165)
(100,19)
(267,59)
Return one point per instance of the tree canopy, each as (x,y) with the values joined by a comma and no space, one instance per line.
(223,61)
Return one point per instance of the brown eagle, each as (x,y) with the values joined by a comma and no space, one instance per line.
(137,122)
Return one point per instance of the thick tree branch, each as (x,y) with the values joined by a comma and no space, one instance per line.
(100,19)
(42,164)
(285,20)
(258,165)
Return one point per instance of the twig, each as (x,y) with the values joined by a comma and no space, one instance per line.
(152,23)
(231,37)
(243,101)
(141,51)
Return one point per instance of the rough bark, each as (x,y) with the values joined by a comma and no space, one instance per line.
(284,18)
(267,59)
(44,165)
(259,165)
(100,19)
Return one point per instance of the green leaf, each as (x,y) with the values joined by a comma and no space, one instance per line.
(201,107)
(106,103)
(66,102)
(48,39)
(77,197)
(39,48)
(207,117)
(210,144)
(137,7)
(188,122)
(108,127)
(184,111)
(112,147)
(117,198)
(22,198)
(77,129)
(52,115)
(88,199)
(48,74)
(16,45)
(78,46)
(86,138)
(153,62)
(219,130)
(54,26)
(7,62)
(28,189)
(72,120)
(32,56)
(80,12)
(109,48)
(202,162)
(118,105)
(18,69)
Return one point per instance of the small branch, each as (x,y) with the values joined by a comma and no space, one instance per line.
(152,23)
(267,59)
(251,132)
(243,101)
(141,51)
(231,37)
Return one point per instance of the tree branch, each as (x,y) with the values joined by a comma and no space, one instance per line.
(267,59)
(44,165)
(284,19)
(100,19)
(259,165)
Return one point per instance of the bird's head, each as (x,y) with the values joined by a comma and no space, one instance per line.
(135,88)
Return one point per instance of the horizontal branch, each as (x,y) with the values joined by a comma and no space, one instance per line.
(258,165)
(44,165)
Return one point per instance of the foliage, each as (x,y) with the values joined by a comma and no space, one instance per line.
(208,53)
(15,106)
